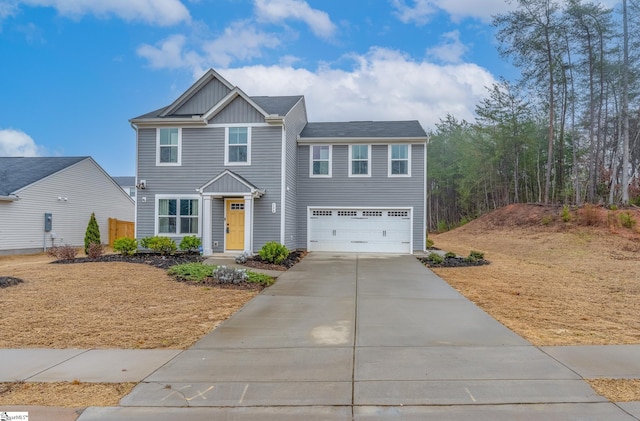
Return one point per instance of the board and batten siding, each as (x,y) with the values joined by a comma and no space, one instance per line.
(295,121)
(202,161)
(204,99)
(86,187)
(379,190)
(238,111)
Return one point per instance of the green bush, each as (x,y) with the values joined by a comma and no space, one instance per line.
(478,255)
(273,252)
(449,255)
(259,278)
(435,258)
(442,226)
(125,245)
(566,214)
(92,234)
(429,243)
(159,244)
(627,220)
(194,272)
(546,220)
(190,243)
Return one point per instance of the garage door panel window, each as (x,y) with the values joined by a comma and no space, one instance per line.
(320,161)
(399,161)
(359,157)
(178,216)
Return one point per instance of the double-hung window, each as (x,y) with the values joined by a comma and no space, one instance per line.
(399,161)
(238,146)
(169,145)
(178,216)
(320,161)
(359,159)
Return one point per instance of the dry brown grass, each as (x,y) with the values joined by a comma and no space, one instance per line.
(617,390)
(65,394)
(106,305)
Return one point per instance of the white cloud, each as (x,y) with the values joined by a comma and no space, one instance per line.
(17,143)
(160,12)
(450,50)
(420,11)
(383,85)
(281,10)
(240,41)
(7,8)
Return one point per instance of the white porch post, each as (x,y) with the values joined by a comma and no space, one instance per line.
(207,223)
(248,224)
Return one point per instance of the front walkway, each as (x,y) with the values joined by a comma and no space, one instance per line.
(362,337)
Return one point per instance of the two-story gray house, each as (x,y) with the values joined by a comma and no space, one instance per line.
(239,171)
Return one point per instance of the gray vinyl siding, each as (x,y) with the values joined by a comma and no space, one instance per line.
(86,187)
(204,99)
(202,161)
(238,111)
(379,190)
(227,184)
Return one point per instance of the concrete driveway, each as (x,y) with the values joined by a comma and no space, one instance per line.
(361,337)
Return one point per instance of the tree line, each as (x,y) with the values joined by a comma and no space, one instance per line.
(568,131)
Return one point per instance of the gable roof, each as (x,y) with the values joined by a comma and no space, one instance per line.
(228,182)
(19,172)
(364,130)
(180,111)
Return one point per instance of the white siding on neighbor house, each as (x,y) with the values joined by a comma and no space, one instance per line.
(83,188)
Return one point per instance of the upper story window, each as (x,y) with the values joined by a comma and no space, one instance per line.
(237,146)
(399,161)
(320,161)
(359,159)
(177,216)
(169,149)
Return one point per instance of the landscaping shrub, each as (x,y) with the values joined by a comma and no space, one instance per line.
(190,243)
(435,258)
(589,215)
(229,275)
(159,244)
(429,243)
(125,246)
(95,250)
(259,278)
(546,220)
(195,272)
(449,255)
(627,220)
(92,234)
(474,256)
(273,252)
(65,252)
(242,259)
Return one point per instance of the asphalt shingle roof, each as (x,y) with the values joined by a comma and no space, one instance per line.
(18,172)
(364,129)
(125,181)
(279,105)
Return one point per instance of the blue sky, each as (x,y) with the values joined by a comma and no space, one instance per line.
(73,72)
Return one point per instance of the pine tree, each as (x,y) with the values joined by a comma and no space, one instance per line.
(92,235)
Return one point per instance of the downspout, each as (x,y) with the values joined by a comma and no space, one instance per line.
(135,207)
(283,185)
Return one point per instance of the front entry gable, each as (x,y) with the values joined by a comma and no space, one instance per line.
(227,184)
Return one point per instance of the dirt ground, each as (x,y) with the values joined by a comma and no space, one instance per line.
(555,282)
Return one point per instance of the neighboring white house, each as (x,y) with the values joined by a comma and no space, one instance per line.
(127,183)
(66,189)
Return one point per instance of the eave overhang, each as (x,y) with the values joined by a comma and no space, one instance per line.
(362,140)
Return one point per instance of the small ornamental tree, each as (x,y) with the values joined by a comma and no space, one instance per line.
(92,235)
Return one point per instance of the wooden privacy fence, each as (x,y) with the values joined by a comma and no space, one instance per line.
(118,229)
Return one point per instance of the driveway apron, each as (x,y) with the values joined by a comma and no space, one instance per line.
(361,337)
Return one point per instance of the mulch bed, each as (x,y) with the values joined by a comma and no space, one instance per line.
(294,257)
(453,262)
(8,281)
(152,259)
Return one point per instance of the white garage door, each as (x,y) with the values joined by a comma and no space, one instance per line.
(360,230)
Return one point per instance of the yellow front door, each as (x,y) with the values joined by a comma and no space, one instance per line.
(235,225)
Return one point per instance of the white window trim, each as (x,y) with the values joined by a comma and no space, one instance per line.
(311,174)
(369,152)
(178,197)
(226,147)
(169,164)
(408,174)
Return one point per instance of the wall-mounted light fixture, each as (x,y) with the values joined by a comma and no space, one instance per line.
(142,184)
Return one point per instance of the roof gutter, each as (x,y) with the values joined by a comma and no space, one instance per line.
(9,198)
(365,140)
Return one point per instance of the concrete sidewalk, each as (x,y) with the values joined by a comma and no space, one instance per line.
(352,337)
